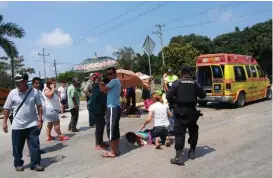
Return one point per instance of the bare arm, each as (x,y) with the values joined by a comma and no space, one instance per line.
(86,89)
(149,119)
(170,114)
(49,93)
(40,111)
(103,88)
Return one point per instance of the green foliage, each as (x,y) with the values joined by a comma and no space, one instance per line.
(255,41)
(178,54)
(9,30)
(125,57)
(202,43)
(69,75)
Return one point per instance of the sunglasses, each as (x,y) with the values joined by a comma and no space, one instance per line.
(110,73)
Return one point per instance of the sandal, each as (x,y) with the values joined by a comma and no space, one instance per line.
(109,155)
(49,138)
(62,138)
(100,147)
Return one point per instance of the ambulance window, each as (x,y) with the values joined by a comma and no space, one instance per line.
(260,72)
(254,72)
(217,73)
(223,68)
(240,74)
(248,72)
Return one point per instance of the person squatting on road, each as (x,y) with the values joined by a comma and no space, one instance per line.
(113,111)
(159,113)
(23,100)
(73,93)
(97,109)
(182,97)
(52,110)
(88,92)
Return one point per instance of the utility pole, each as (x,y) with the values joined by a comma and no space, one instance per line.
(44,55)
(39,74)
(160,36)
(55,68)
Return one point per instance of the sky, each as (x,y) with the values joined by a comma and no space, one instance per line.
(74,31)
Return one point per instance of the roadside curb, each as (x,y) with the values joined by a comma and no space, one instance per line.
(1,116)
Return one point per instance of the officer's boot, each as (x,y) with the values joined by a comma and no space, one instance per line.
(191,154)
(178,159)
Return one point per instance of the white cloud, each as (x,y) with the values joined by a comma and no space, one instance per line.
(3,4)
(109,49)
(225,16)
(91,40)
(55,38)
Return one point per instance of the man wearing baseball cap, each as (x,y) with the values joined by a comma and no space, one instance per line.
(25,123)
(88,91)
(169,80)
(74,93)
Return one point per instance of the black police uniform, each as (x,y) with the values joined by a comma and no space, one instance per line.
(182,97)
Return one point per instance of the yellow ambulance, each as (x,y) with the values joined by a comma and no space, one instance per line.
(231,78)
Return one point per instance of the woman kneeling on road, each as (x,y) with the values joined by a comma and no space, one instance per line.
(52,110)
(159,113)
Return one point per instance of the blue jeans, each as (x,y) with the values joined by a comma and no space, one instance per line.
(18,141)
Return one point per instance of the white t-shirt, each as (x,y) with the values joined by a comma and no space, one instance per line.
(52,102)
(62,90)
(159,114)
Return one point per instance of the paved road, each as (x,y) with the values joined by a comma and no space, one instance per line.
(233,143)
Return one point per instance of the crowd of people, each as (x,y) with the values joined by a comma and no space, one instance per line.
(44,104)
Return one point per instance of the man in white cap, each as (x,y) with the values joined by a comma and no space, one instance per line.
(25,123)
(88,91)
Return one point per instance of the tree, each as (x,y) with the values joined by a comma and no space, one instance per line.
(69,75)
(255,41)
(202,43)
(141,64)
(237,29)
(125,57)
(177,55)
(9,30)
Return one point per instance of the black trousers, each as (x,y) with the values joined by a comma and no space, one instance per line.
(131,96)
(100,125)
(18,141)
(74,118)
(182,122)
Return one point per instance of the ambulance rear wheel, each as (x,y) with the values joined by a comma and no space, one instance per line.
(202,103)
(268,93)
(241,100)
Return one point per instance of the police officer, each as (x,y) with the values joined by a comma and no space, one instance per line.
(182,97)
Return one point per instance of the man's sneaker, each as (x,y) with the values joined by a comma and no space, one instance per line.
(37,168)
(19,168)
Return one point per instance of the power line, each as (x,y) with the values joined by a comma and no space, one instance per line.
(175,20)
(210,22)
(128,21)
(44,55)
(101,25)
